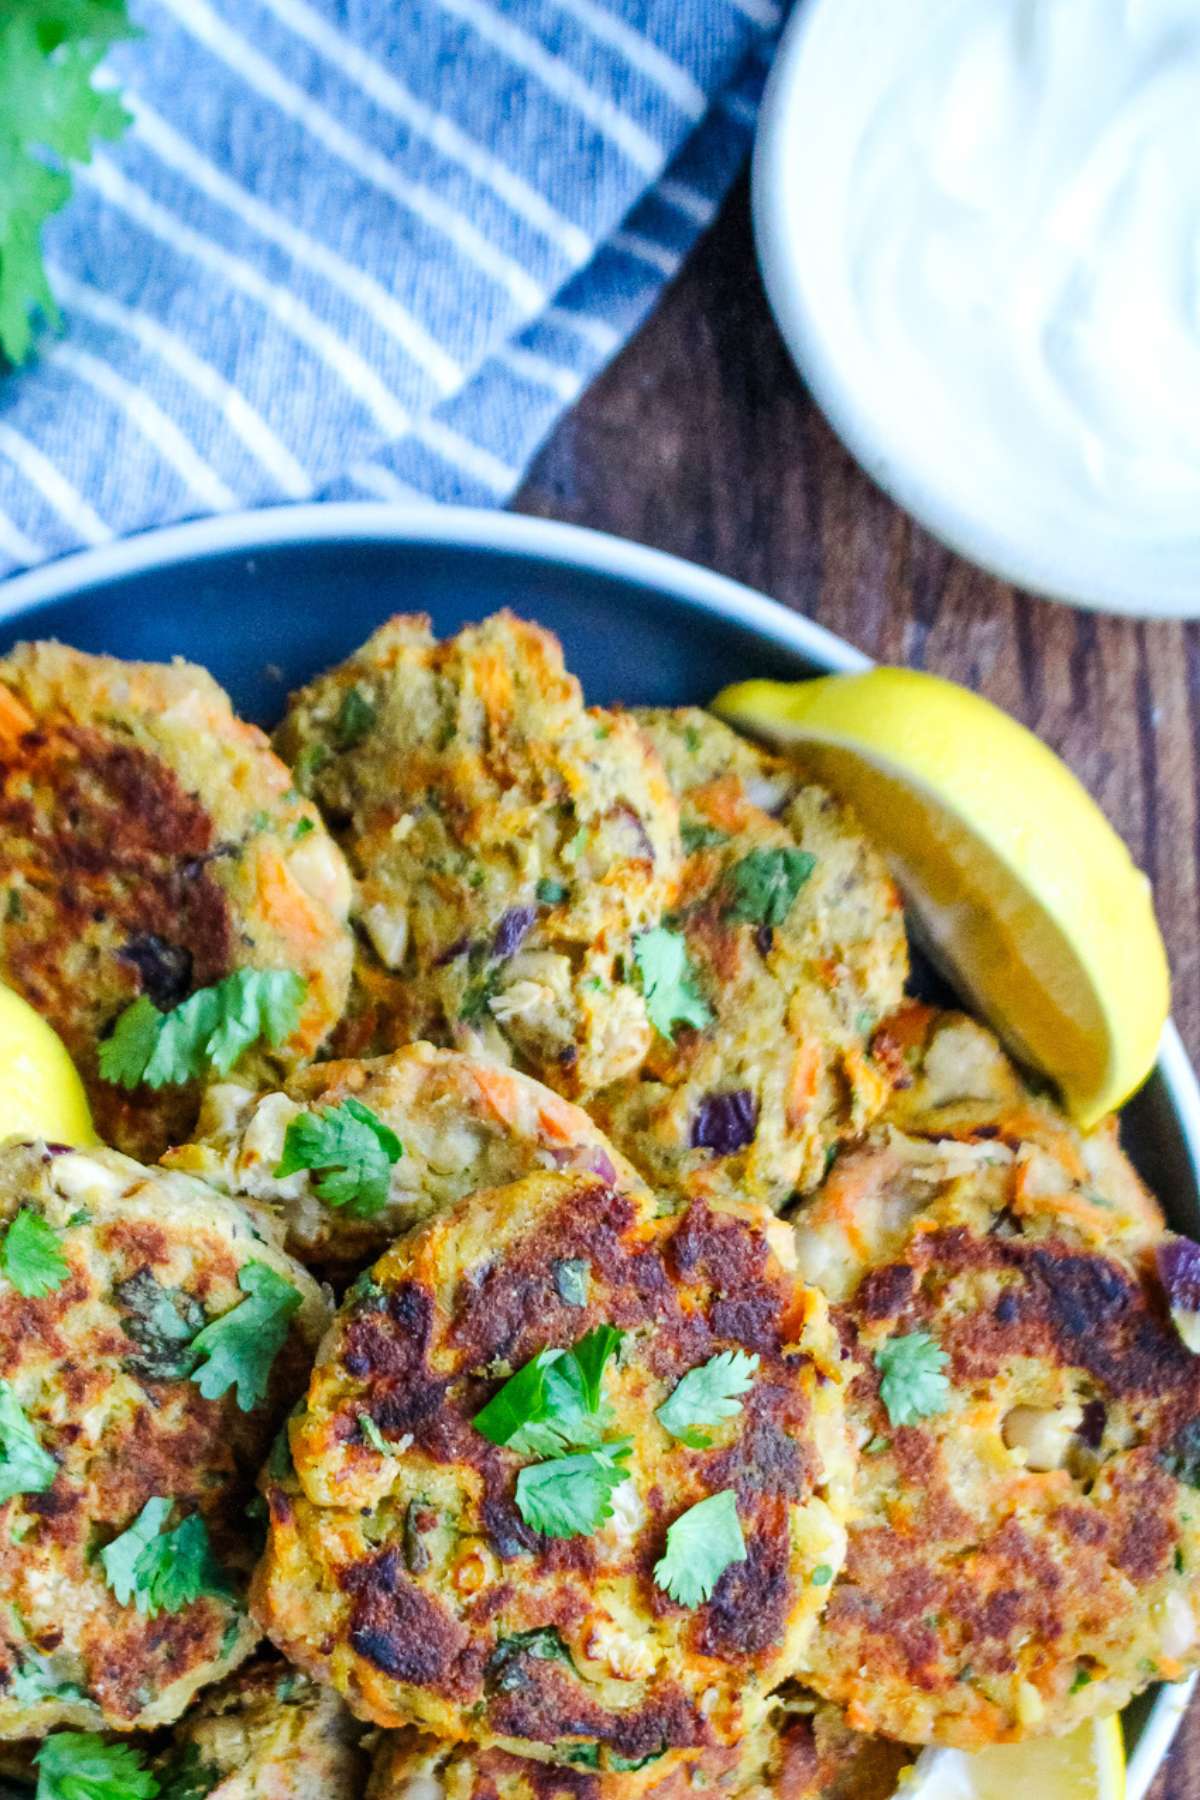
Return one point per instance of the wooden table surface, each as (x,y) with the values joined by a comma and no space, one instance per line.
(700,439)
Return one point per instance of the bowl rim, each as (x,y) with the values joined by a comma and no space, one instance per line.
(517,534)
(1041,569)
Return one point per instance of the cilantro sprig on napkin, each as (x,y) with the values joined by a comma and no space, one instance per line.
(50,115)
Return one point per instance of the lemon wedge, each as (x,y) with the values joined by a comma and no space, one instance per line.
(41,1094)
(1018,884)
(1087,1765)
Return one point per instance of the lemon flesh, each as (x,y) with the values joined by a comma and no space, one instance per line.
(41,1095)
(1020,886)
(1089,1764)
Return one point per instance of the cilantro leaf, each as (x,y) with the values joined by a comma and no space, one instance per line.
(50,113)
(669,982)
(763,885)
(240,1347)
(707,1395)
(78,1765)
(30,1256)
(25,1468)
(555,1402)
(352,1151)
(163,1323)
(570,1496)
(913,1386)
(701,1544)
(163,1571)
(211,1029)
(33,1680)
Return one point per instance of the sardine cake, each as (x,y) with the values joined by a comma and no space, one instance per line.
(796,1750)
(508,843)
(459,1123)
(151,1334)
(784,950)
(151,844)
(1025,1545)
(266,1733)
(498,1530)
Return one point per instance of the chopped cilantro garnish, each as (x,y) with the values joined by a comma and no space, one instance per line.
(78,1765)
(163,1571)
(352,1153)
(301,828)
(764,885)
(503,1669)
(701,1544)
(30,1256)
(913,1386)
(239,1348)
(356,715)
(25,1467)
(571,1496)
(669,982)
(212,1029)
(707,1395)
(1081,1679)
(555,1402)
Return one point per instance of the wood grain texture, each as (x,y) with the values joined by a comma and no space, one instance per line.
(701,440)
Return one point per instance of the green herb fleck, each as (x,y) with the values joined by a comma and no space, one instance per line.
(707,1395)
(701,837)
(374,1437)
(763,886)
(356,716)
(1082,1679)
(212,1029)
(669,982)
(301,829)
(551,893)
(25,1467)
(308,765)
(33,1680)
(30,1256)
(239,1348)
(572,1278)
(503,1670)
(822,1575)
(587,1756)
(162,1322)
(352,1153)
(701,1544)
(163,1571)
(913,1386)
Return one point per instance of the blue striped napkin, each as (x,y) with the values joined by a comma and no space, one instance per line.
(364,248)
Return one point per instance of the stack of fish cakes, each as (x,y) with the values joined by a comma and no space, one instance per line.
(605,1479)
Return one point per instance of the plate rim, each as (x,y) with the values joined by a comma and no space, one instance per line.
(523,534)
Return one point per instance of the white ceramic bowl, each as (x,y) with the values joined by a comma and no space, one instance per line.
(836,61)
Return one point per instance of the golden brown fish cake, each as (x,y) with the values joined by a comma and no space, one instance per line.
(1025,1541)
(266,1733)
(464,1122)
(797,1750)
(401,1568)
(795,942)
(961,1111)
(152,843)
(108,1273)
(508,844)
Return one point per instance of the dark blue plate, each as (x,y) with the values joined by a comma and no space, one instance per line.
(266,599)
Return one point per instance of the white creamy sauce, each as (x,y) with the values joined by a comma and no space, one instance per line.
(1023,247)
